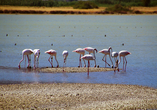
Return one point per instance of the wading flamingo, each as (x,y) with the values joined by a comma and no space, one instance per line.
(123,53)
(36,57)
(92,50)
(88,57)
(26,52)
(65,55)
(114,55)
(81,52)
(52,53)
(106,52)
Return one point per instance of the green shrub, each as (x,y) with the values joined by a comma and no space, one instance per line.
(118,8)
(85,5)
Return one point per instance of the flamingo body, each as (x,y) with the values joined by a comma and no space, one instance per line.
(52,53)
(106,52)
(26,52)
(81,52)
(123,54)
(88,57)
(92,50)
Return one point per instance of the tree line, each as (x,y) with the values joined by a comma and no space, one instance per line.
(58,3)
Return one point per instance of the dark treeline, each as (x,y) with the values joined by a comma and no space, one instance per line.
(58,3)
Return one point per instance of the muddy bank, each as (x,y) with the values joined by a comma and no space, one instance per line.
(72,70)
(77,96)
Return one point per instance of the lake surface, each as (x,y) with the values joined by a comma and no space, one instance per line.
(68,32)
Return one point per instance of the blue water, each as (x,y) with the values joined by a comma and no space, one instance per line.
(68,32)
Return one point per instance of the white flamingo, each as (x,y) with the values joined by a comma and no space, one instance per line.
(36,57)
(26,52)
(65,55)
(81,52)
(92,50)
(88,57)
(52,53)
(106,52)
(114,55)
(123,53)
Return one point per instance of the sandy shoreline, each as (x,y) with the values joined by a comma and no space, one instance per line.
(72,70)
(70,10)
(77,96)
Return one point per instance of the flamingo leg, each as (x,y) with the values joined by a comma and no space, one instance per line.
(111,61)
(34,62)
(57,62)
(95,63)
(21,61)
(105,61)
(125,63)
(88,68)
(37,61)
(51,60)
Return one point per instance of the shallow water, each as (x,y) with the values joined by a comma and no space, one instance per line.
(68,32)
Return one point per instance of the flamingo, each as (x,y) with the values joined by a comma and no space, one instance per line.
(114,55)
(52,53)
(92,50)
(123,53)
(26,52)
(36,56)
(106,52)
(65,55)
(88,57)
(81,52)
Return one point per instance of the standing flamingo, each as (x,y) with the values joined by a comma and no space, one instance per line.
(52,53)
(106,52)
(88,57)
(92,50)
(123,53)
(26,52)
(65,55)
(36,56)
(81,52)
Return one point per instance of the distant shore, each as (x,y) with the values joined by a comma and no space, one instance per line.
(70,10)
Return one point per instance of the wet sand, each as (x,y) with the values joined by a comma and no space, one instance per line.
(72,70)
(77,96)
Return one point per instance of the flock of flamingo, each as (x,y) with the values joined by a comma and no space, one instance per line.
(81,51)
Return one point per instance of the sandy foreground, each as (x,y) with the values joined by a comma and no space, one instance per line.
(69,10)
(77,96)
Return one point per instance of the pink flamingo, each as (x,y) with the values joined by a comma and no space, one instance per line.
(36,57)
(123,53)
(52,53)
(81,52)
(88,57)
(65,55)
(92,50)
(26,52)
(106,52)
